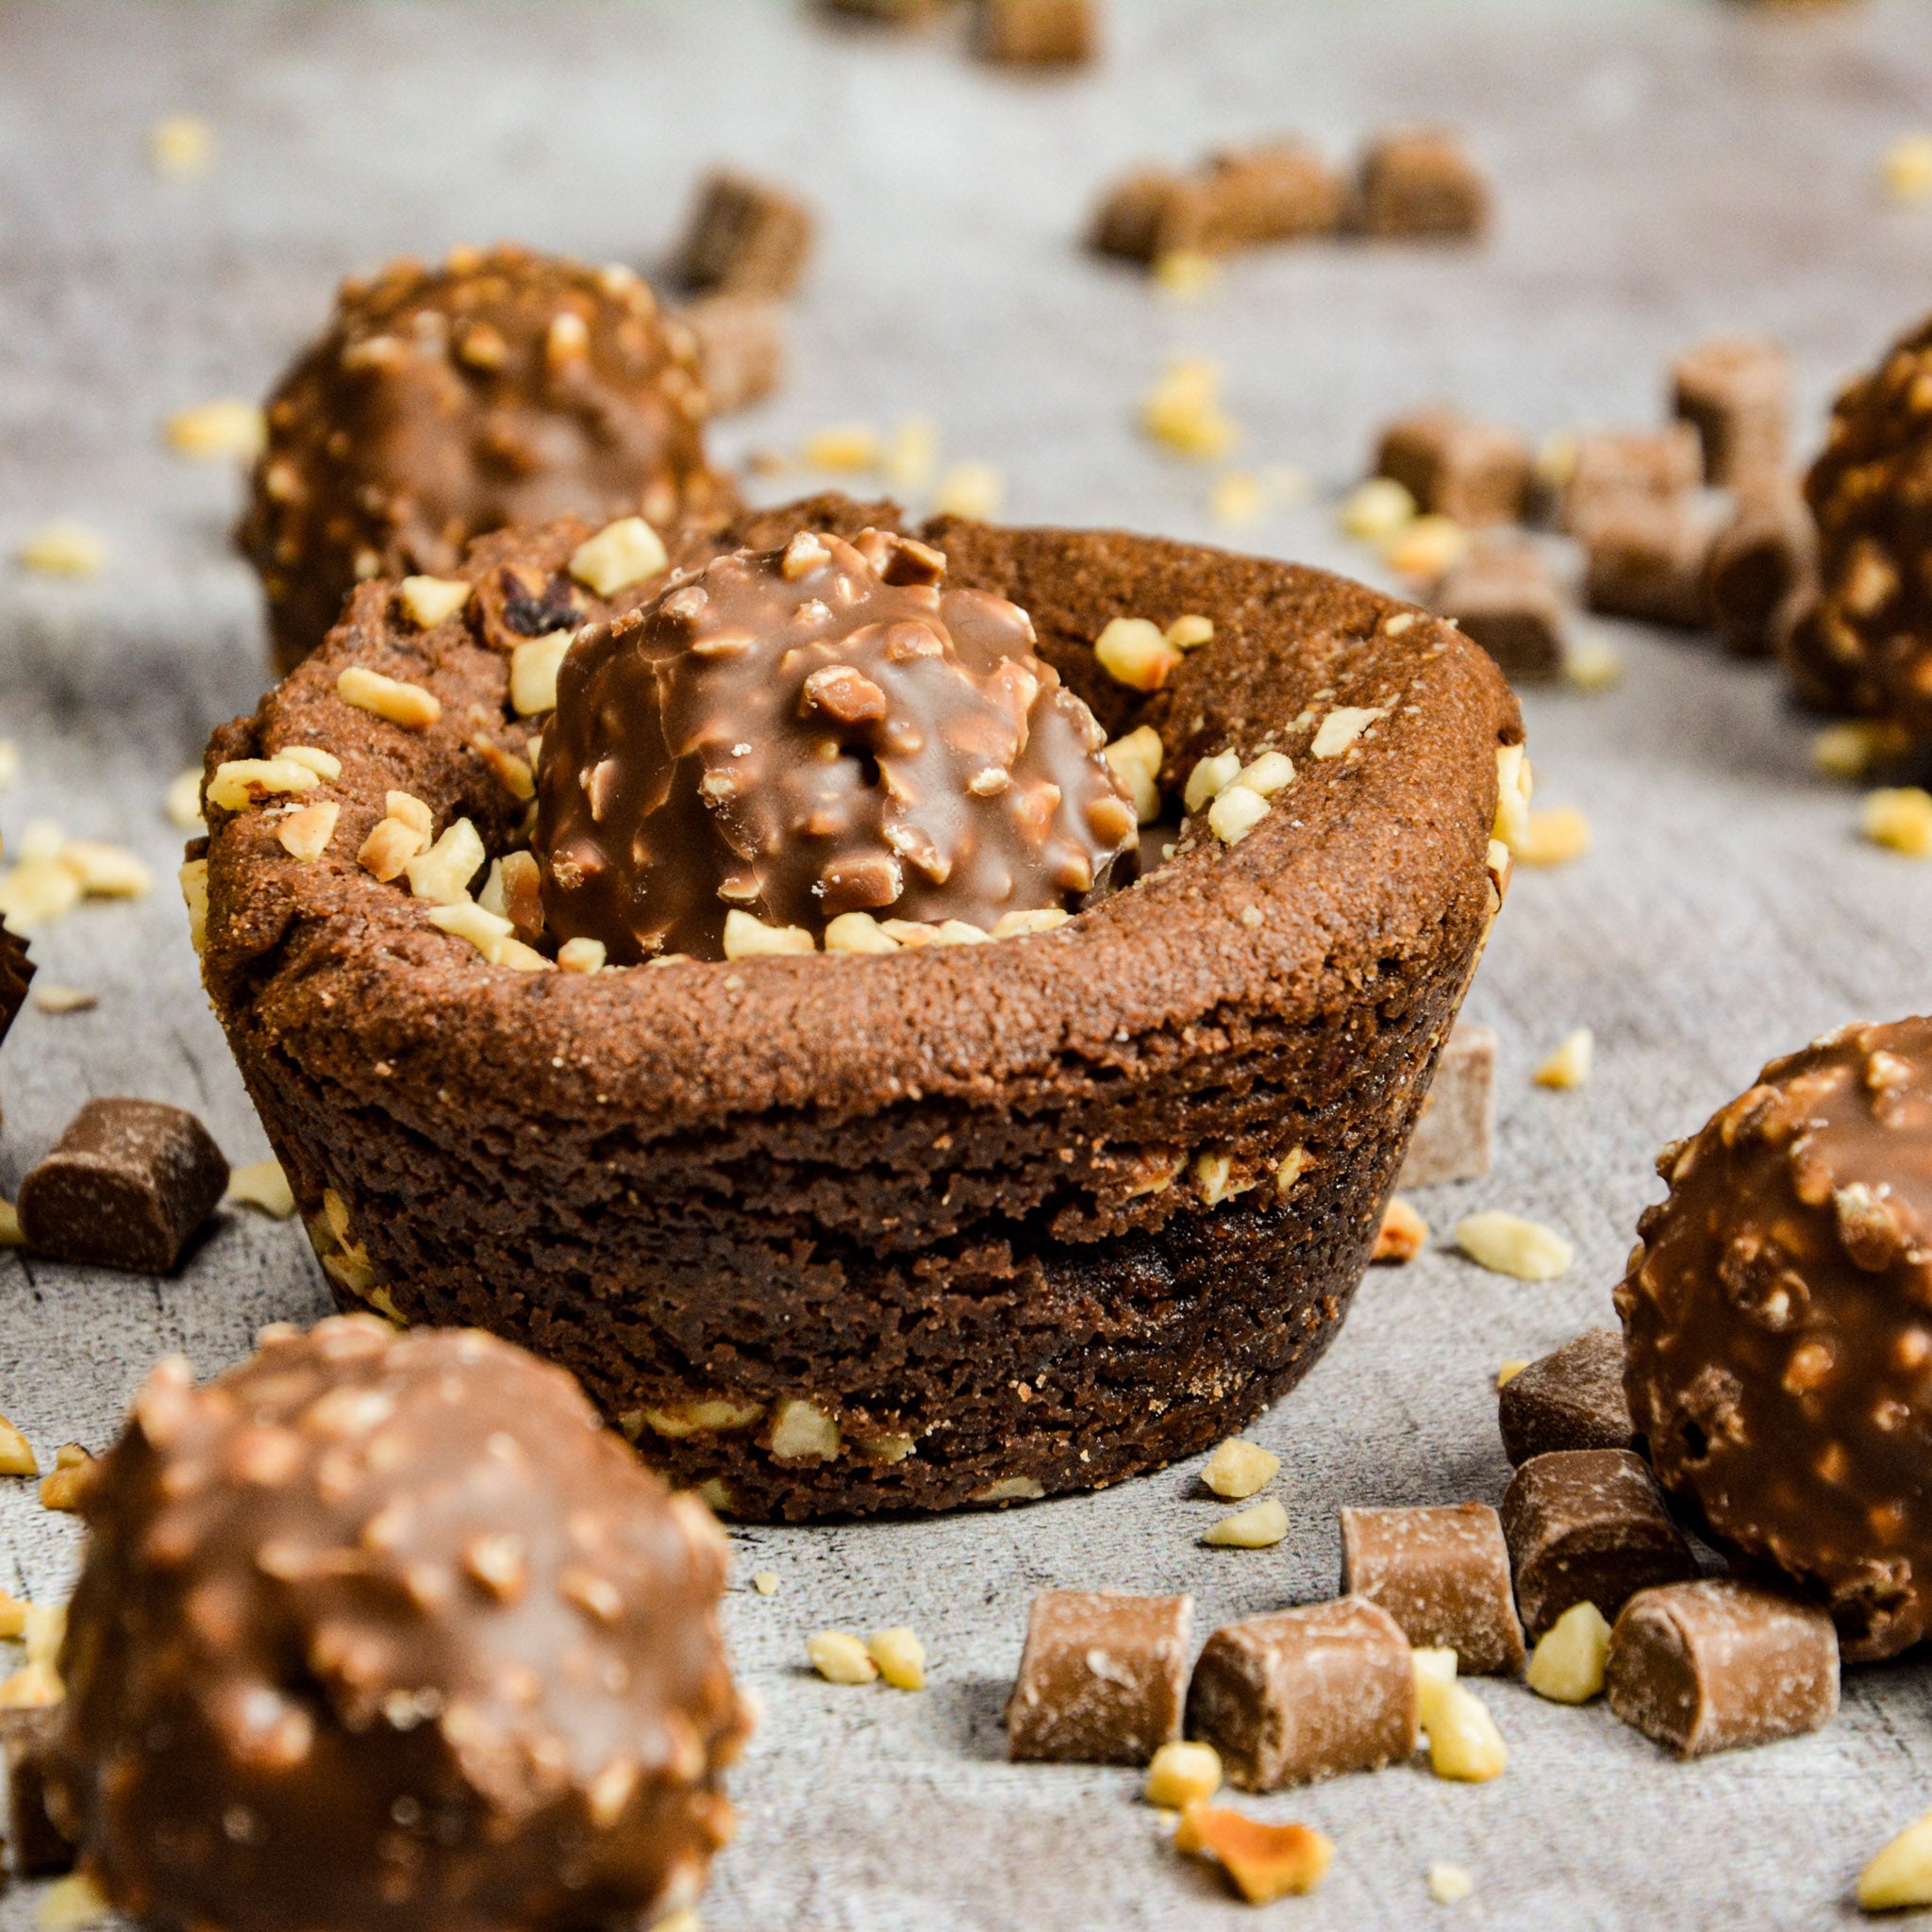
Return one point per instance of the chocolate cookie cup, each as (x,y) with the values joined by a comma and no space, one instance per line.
(950,1225)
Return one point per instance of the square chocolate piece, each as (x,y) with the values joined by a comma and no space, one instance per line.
(1443,1575)
(1421,185)
(1038,33)
(740,348)
(1763,568)
(1736,392)
(1572,1399)
(1281,191)
(1103,1678)
(1149,214)
(1647,558)
(1306,1694)
(1588,1525)
(38,1849)
(746,237)
(1452,1140)
(128,1186)
(1503,594)
(1610,465)
(1457,466)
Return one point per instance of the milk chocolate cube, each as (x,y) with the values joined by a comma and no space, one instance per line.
(1762,568)
(1038,33)
(1736,392)
(1420,185)
(1572,1399)
(1103,1678)
(1151,214)
(38,1849)
(1451,1141)
(128,1186)
(1305,1695)
(1443,1575)
(1279,192)
(1457,466)
(1504,596)
(1587,1525)
(746,237)
(1646,558)
(1703,1667)
(740,348)
(1610,465)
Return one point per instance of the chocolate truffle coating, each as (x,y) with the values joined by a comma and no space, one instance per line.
(16,971)
(383,1631)
(1866,644)
(817,730)
(441,404)
(1777,1316)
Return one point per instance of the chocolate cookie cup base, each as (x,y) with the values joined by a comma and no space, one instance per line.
(962,1224)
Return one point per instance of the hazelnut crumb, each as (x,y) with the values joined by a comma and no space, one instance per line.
(1509,1367)
(226,429)
(1509,1244)
(1568,1067)
(16,1453)
(304,835)
(182,801)
(620,555)
(1567,1664)
(746,937)
(1402,1234)
(581,955)
(765,1582)
(839,1657)
(1554,837)
(50,997)
(1449,1885)
(1236,499)
(64,548)
(1258,1528)
(1376,510)
(262,1184)
(973,490)
(1190,633)
(1239,1469)
(1906,171)
(1464,1743)
(1901,1873)
(391,698)
(841,447)
(899,1655)
(1183,1775)
(1900,819)
(62,1487)
(1135,652)
(1235,813)
(430,601)
(1593,665)
(1183,409)
(182,147)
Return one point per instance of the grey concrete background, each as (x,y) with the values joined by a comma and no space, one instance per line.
(1665,167)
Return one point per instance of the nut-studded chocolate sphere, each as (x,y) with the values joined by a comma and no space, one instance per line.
(803,734)
(1779,1328)
(1866,644)
(502,388)
(383,1631)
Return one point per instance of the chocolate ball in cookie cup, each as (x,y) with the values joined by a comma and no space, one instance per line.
(502,388)
(383,1631)
(819,1065)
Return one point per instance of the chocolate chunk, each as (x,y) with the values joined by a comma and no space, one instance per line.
(1572,1399)
(505,388)
(1420,185)
(1587,1525)
(740,348)
(1452,1140)
(1443,1575)
(36,1846)
(1504,596)
(1611,465)
(1102,1677)
(1736,392)
(1761,573)
(1038,33)
(812,732)
(1151,214)
(1457,466)
(1704,1667)
(746,237)
(1774,1318)
(1306,1694)
(16,971)
(1279,192)
(375,1626)
(128,1186)
(1646,557)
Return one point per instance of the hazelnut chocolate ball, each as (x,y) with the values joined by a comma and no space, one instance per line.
(1777,1317)
(383,1631)
(1866,643)
(441,404)
(811,733)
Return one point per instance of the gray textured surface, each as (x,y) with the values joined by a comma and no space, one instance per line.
(1664,169)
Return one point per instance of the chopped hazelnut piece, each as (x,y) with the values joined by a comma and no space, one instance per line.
(1857,747)
(900,1657)
(1552,837)
(62,1487)
(620,555)
(1508,1370)
(64,549)
(1239,1468)
(305,834)
(228,427)
(1514,780)
(16,1453)
(1136,653)
(1236,499)
(509,771)
(76,1901)
(1907,169)
(859,932)
(1266,775)
(519,958)
(1900,819)
(1210,778)
(442,873)
(1011,1489)
(1901,1873)
(1377,510)
(391,698)
(1567,1666)
(105,872)
(464,919)
(390,847)
(1190,633)
(1402,1234)
(839,1657)
(1183,409)
(802,1432)
(1259,1528)
(430,601)
(35,893)
(182,801)
(841,446)
(1264,1862)
(1428,549)
(581,955)
(238,782)
(1449,1885)
(50,997)
(533,668)
(409,810)
(1464,1742)
(182,147)
(262,1184)
(1235,813)
(746,937)
(325,764)
(1593,665)
(973,490)
(1009,925)
(1568,1067)
(1183,1775)
(193,881)
(765,1582)
(1342,728)
(1135,762)
(1509,1244)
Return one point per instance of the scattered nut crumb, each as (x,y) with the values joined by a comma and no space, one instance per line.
(1190,633)
(1900,819)
(1263,1861)
(1402,1234)
(1183,409)
(238,783)
(975,490)
(430,601)
(1183,1775)
(12,1616)
(1566,1665)
(1186,274)
(180,147)
(1135,652)
(1510,1367)
(1134,760)
(64,549)
(1428,549)
(620,555)
(1901,1873)
(1376,510)
(16,1454)
(1208,778)
(1236,499)
(746,937)
(900,1657)
(1235,813)
(388,848)
(1449,1885)
(392,698)
(182,801)
(305,834)
(1554,837)
(839,1657)
(228,427)
(9,761)
(1509,1244)
(1593,665)
(1464,1742)
(1259,1528)
(581,955)
(841,446)
(50,996)
(192,879)
(463,918)
(1568,1067)
(1239,1469)
(1907,169)
(909,456)
(62,1487)
(765,1582)
(1856,747)
(1339,729)
(262,1184)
